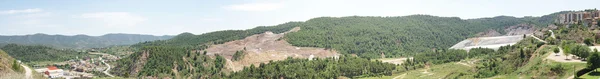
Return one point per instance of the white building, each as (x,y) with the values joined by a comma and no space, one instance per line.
(54,72)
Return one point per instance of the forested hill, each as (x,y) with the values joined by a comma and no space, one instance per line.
(38,53)
(367,36)
(203,40)
(396,36)
(80,41)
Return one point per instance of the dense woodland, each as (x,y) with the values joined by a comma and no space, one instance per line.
(327,68)
(163,61)
(396,36)
(38,53)
(366,36)
(219,37)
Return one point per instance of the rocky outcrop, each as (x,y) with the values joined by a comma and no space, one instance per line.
(139,63)
(520,29)
(489,33)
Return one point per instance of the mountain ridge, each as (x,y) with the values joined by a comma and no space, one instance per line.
(80,41)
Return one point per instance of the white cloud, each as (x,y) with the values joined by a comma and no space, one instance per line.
(21,11)
(210,19)
(115,19)
(255,6)
(36,15)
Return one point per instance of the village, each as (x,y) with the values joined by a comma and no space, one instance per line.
(81,67)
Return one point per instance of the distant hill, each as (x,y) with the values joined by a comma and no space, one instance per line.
(79,41)
(38,53)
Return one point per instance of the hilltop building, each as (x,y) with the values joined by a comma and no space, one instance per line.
(587,17)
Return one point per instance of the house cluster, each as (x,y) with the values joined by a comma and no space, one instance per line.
(587,17)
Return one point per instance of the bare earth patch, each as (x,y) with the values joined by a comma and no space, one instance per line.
(265,47)
(396,61)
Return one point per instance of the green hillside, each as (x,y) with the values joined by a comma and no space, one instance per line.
(37,53)
(80,41)
(218,37)
(366,36)
(394,36)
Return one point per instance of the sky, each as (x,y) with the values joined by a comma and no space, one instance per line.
(172,17)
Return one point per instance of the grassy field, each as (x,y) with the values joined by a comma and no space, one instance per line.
(447,70)
(591,75)
(539,67)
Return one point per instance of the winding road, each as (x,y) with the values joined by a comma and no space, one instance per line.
(551,32)
(538,38)
(106,71)
(27,72)
(107,65)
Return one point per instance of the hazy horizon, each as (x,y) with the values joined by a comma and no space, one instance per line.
(97,18)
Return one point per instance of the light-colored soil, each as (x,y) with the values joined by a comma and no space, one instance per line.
(595,47)
(265,47)
(560,57)
(520,29)
(27,72)
(107,69)
(396,61)
(487,42)
(538,38)
(491,42)
(552,34)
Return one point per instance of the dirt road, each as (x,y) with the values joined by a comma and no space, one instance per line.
(27,72)
(538,38)
(551,32)
(107,69)
(397,61)
(107,65)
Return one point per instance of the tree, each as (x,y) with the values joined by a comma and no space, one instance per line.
(581,51)
(238,55)
(566,51)
(594,61)
(556,50)
(598,22)
(16,66)
(551,40)
(588,41)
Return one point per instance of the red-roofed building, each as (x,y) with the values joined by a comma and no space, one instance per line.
(54,72)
